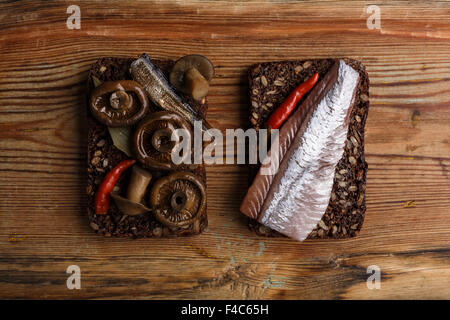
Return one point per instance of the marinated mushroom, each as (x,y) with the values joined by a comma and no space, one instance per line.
(152,141)
(178,199)
(191,75)
(131,205)
(119,103)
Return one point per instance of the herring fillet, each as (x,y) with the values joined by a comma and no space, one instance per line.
(257,192)
(160,92)
(301,197)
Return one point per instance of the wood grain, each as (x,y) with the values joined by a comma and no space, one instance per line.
(43,226)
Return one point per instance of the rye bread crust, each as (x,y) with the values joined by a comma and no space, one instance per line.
(269,84)
(103,156)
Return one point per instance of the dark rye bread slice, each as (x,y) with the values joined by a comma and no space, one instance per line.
(103,156)
(270,83)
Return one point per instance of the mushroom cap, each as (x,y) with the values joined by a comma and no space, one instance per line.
(119,103)
(129,207)
(152,142)
(178,199)
(199,62)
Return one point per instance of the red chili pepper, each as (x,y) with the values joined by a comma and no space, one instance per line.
(285,109)
(102,196)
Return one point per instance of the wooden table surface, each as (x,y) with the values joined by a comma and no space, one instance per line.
(43,225)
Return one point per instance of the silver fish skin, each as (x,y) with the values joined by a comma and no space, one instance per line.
(302,195)
(151,78)
(259,190)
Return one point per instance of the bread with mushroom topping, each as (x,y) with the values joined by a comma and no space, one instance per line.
(103,156)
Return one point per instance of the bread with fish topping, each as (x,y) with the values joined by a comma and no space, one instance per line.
(102,156)
(269,84)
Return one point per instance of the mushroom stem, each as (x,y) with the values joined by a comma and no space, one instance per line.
(196,84)
(139,181)
(178,200)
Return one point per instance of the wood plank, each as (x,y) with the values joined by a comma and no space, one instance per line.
(43,70)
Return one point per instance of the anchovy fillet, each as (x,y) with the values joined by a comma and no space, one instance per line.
(160,92)
(302,195)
